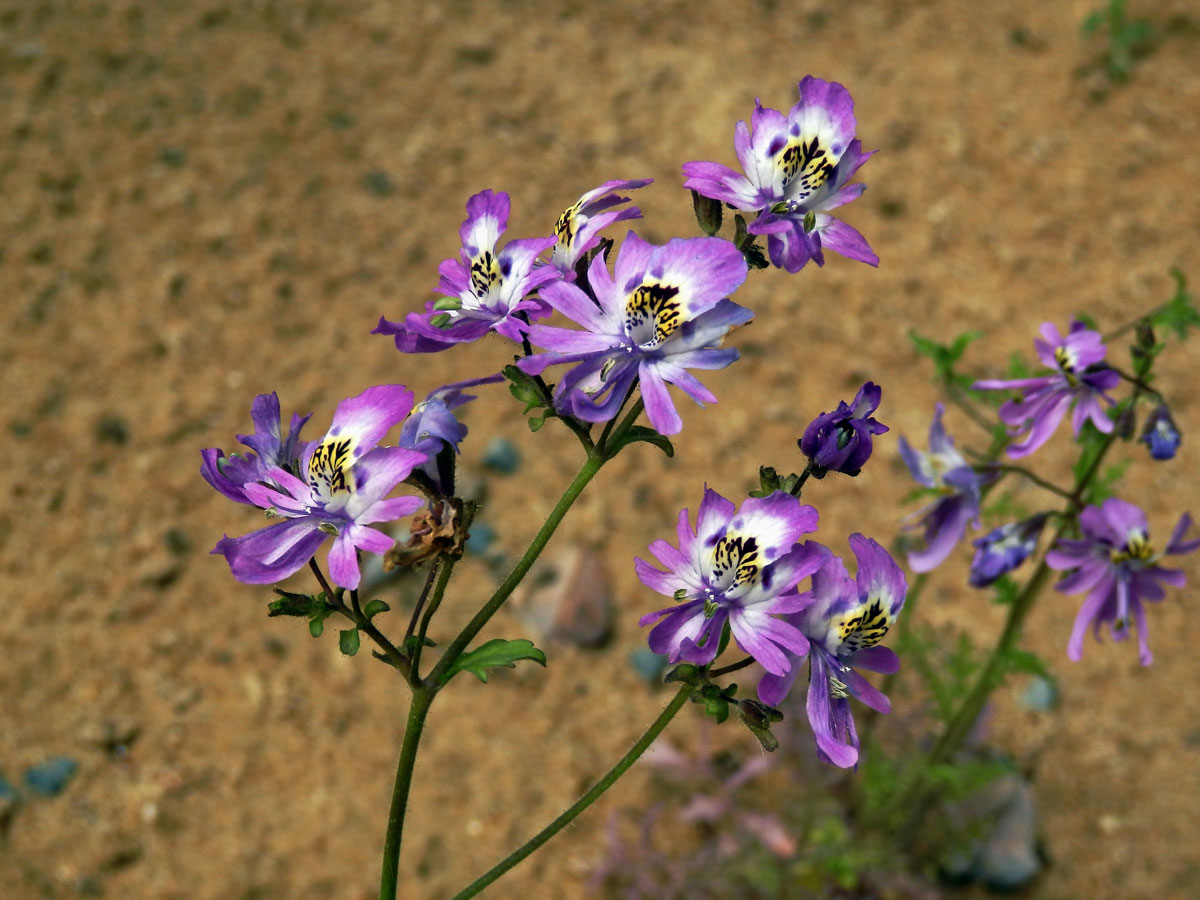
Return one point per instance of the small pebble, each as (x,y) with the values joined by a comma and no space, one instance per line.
(481,537)
(568,598)
(501,456)
(1041,695)
(50,777)
(648,665)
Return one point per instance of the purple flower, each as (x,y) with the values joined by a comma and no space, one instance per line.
(1079,380)
(741,568)
(945,520)
(844,619)
(662,311)
(796,169)
(347,479)
(486,290)
(840,441)
(1003,549)
(1116,566)
(1161,434)
(231,475)
(432,426)
(578,228)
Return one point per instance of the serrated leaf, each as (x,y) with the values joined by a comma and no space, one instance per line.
(1029,663)
(495,654)
(349,641)
(1178,314)
(291,604)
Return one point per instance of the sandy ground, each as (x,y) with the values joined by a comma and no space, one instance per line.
(204,201)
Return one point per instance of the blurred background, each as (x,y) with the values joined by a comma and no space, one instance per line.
(202,201)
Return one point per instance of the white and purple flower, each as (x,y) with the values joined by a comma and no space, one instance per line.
(486,290)
(229,475)
(578,228)
(796,169)
(1117,567)
(843,619)
(662,311)
(740,567)
(944,470)
(1079,381)
(344,491)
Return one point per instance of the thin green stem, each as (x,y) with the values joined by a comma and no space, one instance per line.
(968,712)
(583,802)
(590,467)
(421,699)
(799,487)
(732,667)
(1030,476)
(445,565)
(416,613)
(608,426)
(614,436)
(391,653)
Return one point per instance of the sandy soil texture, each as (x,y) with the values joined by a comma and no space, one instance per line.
(203,201)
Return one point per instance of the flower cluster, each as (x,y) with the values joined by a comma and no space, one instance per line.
(740,568)
(635,317)
(1112,563)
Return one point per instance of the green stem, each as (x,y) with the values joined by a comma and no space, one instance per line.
(1031,476)
(583,802)
(421,699)
(481,618)
(917,796)
(968,713)
(445,565)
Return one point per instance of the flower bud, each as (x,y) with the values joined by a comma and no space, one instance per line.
(1161,434)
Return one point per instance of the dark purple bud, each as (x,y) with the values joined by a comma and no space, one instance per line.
(840,441)
(1161,434)
(1002,550)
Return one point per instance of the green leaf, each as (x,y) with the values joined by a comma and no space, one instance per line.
(1027,663)
(524,388)
(1005,590)
(348,641)
(290,604)
(374,608)
(317,616)
(648,435)
(495,654)
(945,356)
(1092,22)
(1179,314)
